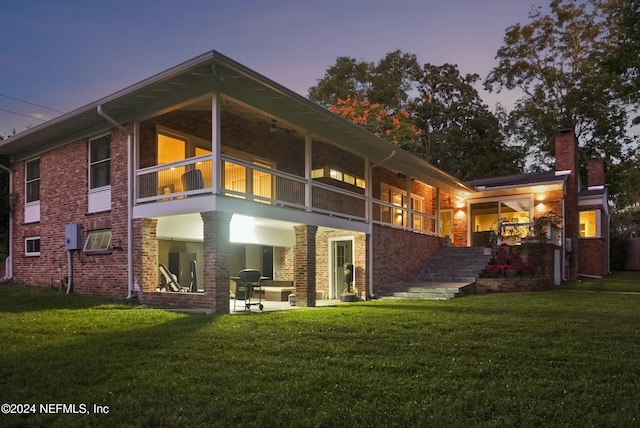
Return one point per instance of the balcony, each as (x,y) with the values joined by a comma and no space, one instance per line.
(246,180)
(261,183)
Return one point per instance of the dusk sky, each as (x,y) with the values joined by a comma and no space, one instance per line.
(65,54)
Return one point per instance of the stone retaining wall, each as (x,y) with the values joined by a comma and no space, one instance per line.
(509,285)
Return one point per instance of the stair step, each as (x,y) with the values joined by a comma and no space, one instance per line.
(455,267)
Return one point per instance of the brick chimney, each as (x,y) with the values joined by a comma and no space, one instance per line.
(595,173)
(567,164)
(566,151)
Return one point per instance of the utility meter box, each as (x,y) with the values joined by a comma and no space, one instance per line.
(73,236)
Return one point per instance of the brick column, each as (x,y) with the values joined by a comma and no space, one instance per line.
(148,247)
(567,159)
(217,255)
(305,265)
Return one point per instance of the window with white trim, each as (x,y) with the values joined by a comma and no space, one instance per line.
(100,162)
(32,246)
(32,174)
(98,241)
(396,197)
(589,224)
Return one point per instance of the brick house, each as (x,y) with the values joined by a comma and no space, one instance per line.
(582,235)
(209,168)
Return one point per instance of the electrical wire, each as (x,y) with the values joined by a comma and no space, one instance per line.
(28,102)
(25,115)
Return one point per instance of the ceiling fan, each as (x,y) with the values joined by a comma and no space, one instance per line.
(277,129)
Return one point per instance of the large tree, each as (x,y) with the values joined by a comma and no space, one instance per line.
(624,60)
(557,60)
(457,131)
(460,134)
(386,83)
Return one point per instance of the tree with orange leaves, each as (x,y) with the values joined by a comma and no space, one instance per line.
(395,127)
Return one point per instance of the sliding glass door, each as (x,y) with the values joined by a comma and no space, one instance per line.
(508,218)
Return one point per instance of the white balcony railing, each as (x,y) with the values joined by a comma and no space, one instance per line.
(526,232)
(246,180)
(174,180)
(396,215)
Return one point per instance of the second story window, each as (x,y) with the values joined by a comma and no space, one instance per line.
(33,180)
(100,162)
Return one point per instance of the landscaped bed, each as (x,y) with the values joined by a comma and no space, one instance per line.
(559,358)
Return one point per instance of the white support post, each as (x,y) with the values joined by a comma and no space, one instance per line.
(216,144)
(368,189)
(308,165)
(437,221)
(409,204)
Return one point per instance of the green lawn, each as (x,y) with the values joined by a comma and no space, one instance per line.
(618,281)
(557,359)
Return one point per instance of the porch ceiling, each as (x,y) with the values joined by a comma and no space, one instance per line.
(213,72)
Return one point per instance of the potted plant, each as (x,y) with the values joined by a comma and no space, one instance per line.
(501,259)
(511,271)
(494,271)
(527,269)
(503,249)
(488,249)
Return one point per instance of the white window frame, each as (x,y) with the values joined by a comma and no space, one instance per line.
(191,142)
(598,224)
(99,198)
(103,238)
(26,246)
(27,181)
(93,163)
(256,160)
(32,208)
(402,207)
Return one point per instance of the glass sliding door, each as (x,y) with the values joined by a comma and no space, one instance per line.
(508,218)
(484,219)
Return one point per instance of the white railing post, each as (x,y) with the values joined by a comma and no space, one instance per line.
(308,165)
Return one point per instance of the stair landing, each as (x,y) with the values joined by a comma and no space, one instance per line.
(427,290)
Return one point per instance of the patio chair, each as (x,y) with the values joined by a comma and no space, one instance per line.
(192,180)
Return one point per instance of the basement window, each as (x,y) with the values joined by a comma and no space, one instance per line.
(98,241)
(32,246)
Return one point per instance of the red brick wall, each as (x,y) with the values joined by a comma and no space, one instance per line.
(552,202)
(360,261)
(286,150)
(460,218)
(145,243)
(305,265)
(595,172)
(397,253)
(593,257)
(63,200)
(328,155)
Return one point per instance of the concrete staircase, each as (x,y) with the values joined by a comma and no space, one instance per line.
(451,272)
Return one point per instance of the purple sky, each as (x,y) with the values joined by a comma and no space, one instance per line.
(64,54)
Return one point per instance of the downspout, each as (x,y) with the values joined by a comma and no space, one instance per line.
(9,261)
(563,243)
(370,191)
(129,200)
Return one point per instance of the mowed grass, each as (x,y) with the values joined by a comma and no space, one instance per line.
(618,281)
(557,359)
